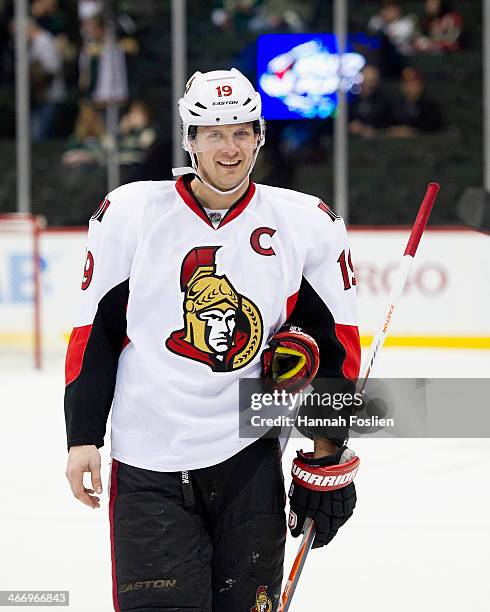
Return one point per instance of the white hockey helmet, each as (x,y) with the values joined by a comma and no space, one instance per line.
(219,97)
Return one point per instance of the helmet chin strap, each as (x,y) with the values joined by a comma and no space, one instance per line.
(193,170)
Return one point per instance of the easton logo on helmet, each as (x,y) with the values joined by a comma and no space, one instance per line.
(221,103)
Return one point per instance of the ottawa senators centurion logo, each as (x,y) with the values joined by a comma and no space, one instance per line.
(263,602)
(222,328)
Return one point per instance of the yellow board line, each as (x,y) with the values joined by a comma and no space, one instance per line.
(450,342)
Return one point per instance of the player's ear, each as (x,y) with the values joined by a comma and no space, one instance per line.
(192,144)
(192,138)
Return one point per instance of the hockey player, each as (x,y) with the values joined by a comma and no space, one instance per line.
(187,288)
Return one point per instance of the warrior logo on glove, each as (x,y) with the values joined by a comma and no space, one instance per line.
(222,328)
(262,601)
(323,490)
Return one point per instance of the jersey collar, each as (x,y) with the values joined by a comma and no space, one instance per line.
(184,190)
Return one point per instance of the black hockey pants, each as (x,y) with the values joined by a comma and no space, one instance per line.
(208,540)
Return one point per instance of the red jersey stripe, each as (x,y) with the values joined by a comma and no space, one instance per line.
(291,303)
(239,206)
(76,350)
(232,213)
(190,201)
(348,335)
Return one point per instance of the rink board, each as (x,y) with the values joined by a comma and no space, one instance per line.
(445,304)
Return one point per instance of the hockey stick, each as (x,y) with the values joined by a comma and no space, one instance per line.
(401,278)
(376,345)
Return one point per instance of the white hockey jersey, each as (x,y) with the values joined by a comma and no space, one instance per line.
(176,308)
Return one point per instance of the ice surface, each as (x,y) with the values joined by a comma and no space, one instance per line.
(419,540)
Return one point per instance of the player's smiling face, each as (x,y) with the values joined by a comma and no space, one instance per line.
(224,153)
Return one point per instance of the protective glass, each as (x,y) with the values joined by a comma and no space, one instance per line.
(222,137)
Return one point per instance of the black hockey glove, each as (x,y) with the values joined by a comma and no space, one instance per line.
(291,361)
(322,489)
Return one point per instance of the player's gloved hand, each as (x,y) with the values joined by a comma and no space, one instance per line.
(322,489)
(291,361)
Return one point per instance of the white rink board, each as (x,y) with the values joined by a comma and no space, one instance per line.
(448,294)
(16,282)
(62,257)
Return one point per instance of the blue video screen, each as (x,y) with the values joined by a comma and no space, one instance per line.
(298,75)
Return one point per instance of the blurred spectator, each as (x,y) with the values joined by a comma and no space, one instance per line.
(260,16)
(96,57)
(48,15)
(47,81)
(234,14)
(282,16)
(370,110)
(397,33)
(85,146)
(441,29)
(92,30)
(136,134)
(89,8)
(398,28)
(414,111)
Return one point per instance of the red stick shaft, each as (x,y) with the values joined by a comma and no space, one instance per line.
(421,220)
(412,245)
(297,568)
